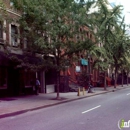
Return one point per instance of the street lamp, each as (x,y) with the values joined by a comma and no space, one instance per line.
(89,76)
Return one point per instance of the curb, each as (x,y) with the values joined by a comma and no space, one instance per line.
(53,104)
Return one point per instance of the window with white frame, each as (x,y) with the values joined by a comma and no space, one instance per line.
(1,29)
(14,35)
(11,3)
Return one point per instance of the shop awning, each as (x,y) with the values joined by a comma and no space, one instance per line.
(8,59)
(26,58)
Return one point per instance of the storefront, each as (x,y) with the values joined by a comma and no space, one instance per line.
(50,81)
(15,80)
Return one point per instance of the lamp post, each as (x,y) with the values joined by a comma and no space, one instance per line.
(89,75)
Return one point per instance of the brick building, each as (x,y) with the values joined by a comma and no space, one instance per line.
(14,80)
(83,64)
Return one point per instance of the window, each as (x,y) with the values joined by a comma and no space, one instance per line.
(1,29)
(90,36)
(87,34)
(11,4)
(14,34)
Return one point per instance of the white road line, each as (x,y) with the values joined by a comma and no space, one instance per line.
(128,94)
(91,109)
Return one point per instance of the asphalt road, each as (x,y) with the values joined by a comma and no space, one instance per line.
(101,112)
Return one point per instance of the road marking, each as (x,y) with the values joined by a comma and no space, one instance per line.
(91,109)
(128,94)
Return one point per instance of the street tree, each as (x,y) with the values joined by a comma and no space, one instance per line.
(127,68)
(125,61)
(106,23)
(53,28)
(119,46)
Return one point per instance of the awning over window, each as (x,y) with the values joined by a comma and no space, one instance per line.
(28,59)
(7,59)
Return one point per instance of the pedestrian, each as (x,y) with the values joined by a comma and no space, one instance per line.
(37,85)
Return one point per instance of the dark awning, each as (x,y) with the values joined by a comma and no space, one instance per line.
(8,59)
(25,58)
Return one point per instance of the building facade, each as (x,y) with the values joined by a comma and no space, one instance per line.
(14,80)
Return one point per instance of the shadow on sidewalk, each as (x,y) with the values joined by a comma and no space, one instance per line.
(7,99)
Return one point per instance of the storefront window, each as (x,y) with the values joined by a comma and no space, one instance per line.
(50,77)
(29,78)
(3,77)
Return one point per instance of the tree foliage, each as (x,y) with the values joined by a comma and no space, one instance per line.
(54,28)
(58,28)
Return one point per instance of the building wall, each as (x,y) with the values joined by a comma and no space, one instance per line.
(71,71)
(73,75)
(19,80)
(13,80)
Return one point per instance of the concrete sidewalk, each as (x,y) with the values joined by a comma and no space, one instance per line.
(17,105)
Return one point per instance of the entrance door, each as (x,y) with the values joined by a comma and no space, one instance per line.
(13,82)
(50,81)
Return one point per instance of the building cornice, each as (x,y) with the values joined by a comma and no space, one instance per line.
(12,12)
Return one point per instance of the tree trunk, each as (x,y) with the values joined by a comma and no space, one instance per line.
(58,84)
(127,79)
(115,82)
(122,78)
(58,78)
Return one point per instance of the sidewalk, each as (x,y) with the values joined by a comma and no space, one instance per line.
(17,105)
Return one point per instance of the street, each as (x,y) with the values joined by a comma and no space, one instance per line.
(100,112)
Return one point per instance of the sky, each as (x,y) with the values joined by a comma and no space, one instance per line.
(126,11)
(126,5)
